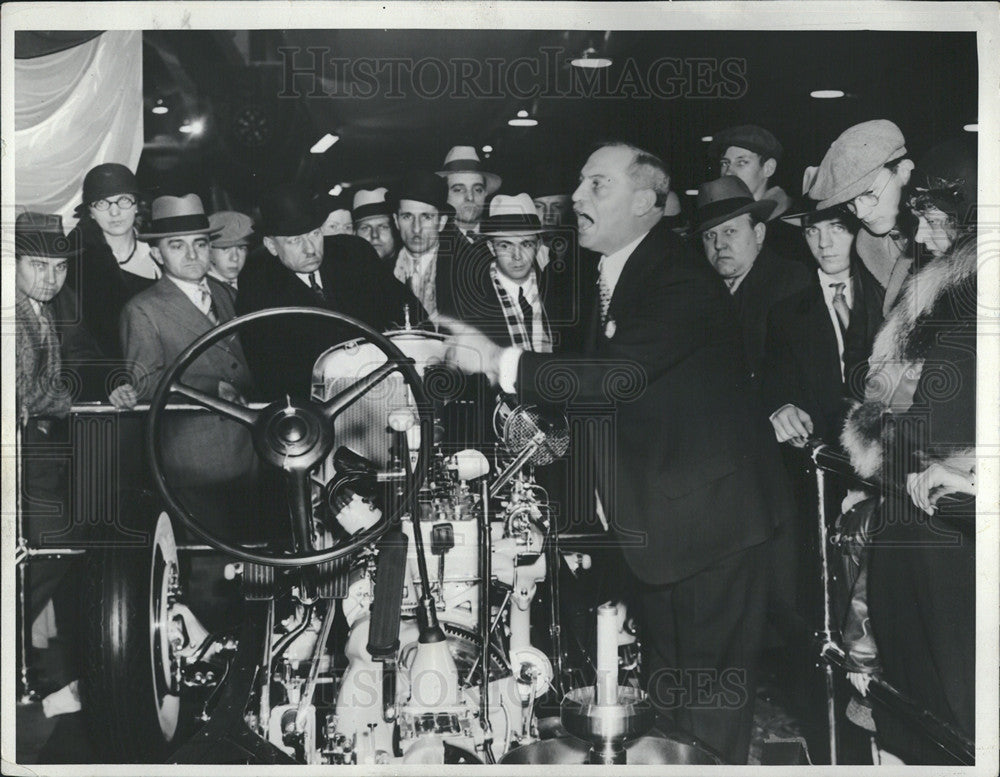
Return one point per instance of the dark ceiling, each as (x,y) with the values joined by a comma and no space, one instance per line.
(399,99)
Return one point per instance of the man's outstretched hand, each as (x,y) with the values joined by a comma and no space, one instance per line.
(470,350)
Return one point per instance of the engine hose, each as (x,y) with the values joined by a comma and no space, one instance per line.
(286,640)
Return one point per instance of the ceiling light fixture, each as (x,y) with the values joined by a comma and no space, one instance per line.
(691,192)
(826,94)
(706,139)
(487,149)
(336,190)
(324,143)
(522,119)
(159,108)
(974,127)
(595,55)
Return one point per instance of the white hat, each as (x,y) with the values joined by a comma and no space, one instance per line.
(464,159)
(512,216)
(371,202)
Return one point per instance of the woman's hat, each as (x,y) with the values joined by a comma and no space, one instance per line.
(726,198)
(176,216)
(41,234)
(947,177)
(464,159)
(106,181)
(511,216)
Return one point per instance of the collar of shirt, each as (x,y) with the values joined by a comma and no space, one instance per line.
(304,277)
(232,283)
(826,281)
(734,283)
(191,289)
(611,266)
(408,265)
(529,284)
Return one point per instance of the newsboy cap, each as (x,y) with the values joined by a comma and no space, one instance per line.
(854,159)
(748,136)
(234,229)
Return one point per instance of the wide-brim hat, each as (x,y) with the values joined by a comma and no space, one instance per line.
(854,160)
(464,159)
(289,210)
(748,136)
(511,216)
(423,187)
(177,216)
(726,198)
(371,202)
(41,234)
(230,228)
(106,180)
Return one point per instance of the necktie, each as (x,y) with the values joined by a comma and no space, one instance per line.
(314,285)
(604,291)
(840,306)
(526,314)
(207,303)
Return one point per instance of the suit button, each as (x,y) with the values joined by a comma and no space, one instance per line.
(235,365)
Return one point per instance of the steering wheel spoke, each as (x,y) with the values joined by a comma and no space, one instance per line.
(231,410)
(335,405)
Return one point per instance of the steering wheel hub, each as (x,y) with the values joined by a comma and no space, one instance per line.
(292,435)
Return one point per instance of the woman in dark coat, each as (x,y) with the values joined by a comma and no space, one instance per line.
(916,429)
(114,266)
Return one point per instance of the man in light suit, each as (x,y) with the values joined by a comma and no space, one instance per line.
(160,322)
(691,482)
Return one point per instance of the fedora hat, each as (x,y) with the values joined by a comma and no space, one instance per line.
(726,198)
(41,234)
(464,159)
(289,210)
(176,216)
(371,202)
(426,188)
(511,216)
(230,229)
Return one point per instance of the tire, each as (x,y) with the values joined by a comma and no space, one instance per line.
(130,700)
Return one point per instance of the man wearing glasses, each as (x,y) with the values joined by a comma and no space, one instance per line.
(866,169)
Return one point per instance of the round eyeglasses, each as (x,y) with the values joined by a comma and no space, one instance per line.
(124,202)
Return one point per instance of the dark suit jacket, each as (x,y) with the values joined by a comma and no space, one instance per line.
(282,352)
(692,469)
(801,364)
(772,278)
(461,281)
(156,326)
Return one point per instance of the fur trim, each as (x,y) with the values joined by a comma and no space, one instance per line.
(891,365)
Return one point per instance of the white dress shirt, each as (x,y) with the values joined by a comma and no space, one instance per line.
(825,282)
(539,337)
(420,274)
(192,290)
(306,276)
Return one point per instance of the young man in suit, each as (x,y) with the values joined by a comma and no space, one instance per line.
(819,339)
(468,187)
(690,482)
(298,267)
(513,307)
(229,246)
(160,322)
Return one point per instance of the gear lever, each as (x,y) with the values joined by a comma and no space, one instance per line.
(442,540)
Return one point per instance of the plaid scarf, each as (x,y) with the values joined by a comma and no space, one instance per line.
(539,340)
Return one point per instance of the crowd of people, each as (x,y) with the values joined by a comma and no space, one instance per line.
(845,315)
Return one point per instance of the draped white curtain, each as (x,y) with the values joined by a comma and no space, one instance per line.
(73,110)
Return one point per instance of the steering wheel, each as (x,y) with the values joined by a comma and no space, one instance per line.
(293,435)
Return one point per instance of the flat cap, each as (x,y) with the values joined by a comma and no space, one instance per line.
(748,136)
(854,159)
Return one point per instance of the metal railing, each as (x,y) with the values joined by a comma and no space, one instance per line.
(826,460)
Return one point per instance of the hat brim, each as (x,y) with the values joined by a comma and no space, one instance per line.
(371,210)
(511,231)
(804,218)
(493,180)
(148,237)
(303,227)
(239,241)
(852,190)
(759,208)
